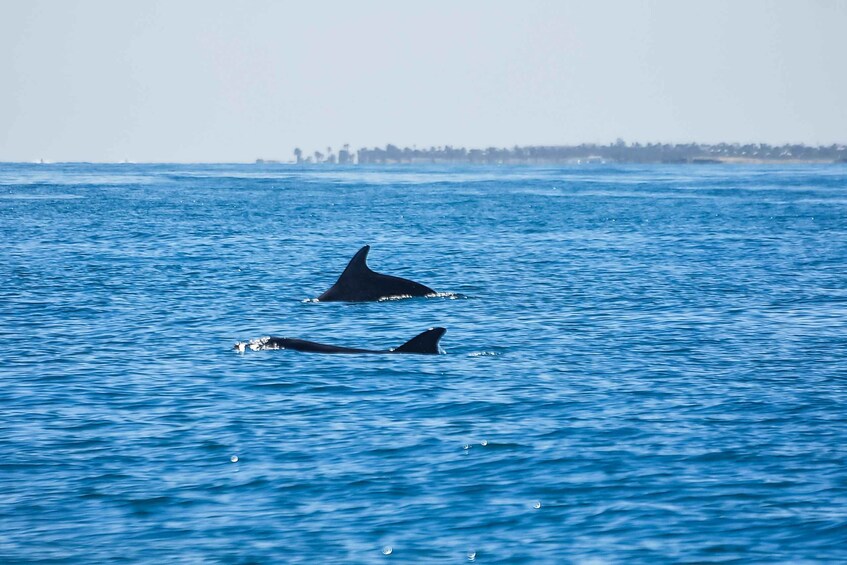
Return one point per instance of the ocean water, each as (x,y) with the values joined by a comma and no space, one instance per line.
(643,364)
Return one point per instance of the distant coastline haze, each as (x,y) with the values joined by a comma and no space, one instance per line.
(216,81)
(584,153)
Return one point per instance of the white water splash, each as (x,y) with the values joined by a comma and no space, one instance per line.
(258,344)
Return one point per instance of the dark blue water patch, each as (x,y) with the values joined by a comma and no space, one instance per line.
(642,364)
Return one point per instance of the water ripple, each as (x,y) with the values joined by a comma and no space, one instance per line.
(644,364)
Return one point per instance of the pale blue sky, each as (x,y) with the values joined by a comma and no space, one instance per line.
(106,80)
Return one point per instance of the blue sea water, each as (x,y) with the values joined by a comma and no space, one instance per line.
(643,364)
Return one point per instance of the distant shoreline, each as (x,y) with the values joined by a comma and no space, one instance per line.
(727,161)
(586,153)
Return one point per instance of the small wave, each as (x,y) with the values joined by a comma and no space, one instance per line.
(445,295)
(393,298)
(449,295)
(13,196)
(484,354)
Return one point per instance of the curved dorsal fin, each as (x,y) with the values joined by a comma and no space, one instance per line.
(358,283)
(358,264)
(426,342)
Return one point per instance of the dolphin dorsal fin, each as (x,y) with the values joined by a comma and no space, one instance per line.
(358,283)
(358,264)
(426,342)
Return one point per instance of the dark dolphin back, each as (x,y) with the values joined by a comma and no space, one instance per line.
(424,343)
(311,346)
(358,283)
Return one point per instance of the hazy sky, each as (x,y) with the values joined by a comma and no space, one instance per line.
(108,80)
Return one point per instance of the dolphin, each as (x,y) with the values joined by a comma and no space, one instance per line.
(358,283)
(425,343)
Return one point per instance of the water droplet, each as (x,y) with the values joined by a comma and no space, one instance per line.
(471,555)
(536,505)
(484,442)
(387,550)
(234,458)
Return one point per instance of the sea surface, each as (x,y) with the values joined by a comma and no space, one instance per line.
(643,364)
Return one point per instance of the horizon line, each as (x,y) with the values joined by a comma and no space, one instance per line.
(620,143)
